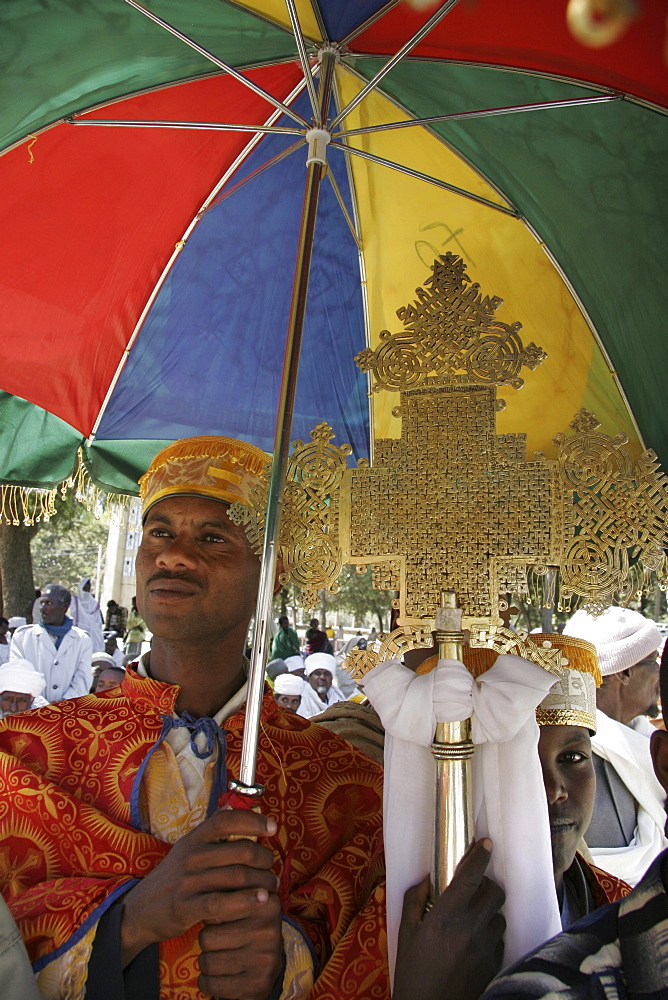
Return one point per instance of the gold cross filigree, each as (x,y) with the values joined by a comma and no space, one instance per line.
(451,505)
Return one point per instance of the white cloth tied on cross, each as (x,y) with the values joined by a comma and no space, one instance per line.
(510,805)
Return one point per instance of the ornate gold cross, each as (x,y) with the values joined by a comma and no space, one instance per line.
(452,514)
(448,506)
(451,505)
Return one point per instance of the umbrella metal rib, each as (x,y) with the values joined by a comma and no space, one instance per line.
(426,177)
(371,20)
(249,177)
(393,61)
(342,205)
(202,126)
(260,91)
(303,58)
(483,113)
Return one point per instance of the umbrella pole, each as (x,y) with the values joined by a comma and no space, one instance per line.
(316,169)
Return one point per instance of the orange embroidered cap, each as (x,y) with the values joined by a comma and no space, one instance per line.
(216,467)
(572,699)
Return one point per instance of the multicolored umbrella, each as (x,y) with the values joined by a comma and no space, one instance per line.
(157,207)
(147,271)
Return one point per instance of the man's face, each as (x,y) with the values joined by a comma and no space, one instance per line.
(14,701)
(284,623)
(53,607)
(197,575)
(107,679)
(289,701)
(3,628)
(320,680)
(570,786)
(110,645)
(641,694)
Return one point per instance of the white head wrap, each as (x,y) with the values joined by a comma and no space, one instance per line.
(294,663)
(622,637)
(104,658)
(320,661)
(19,675)
(17,621)
(288,684)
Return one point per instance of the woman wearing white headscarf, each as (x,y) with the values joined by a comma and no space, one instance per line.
(86,613)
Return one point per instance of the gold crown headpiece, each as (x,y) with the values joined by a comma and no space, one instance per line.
(572,698)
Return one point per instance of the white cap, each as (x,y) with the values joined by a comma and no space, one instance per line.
(288,684)
(16,622)
(320,661)
(622,637)
(106,658)
(19,675)
(294,663)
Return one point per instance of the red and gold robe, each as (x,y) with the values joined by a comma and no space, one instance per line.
(606,888)
(80,822)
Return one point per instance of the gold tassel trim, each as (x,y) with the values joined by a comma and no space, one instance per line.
(29,505)
(19,505)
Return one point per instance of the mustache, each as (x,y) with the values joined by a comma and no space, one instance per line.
(558,822)
(181,577)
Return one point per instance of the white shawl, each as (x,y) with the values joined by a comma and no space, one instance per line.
(510,805)
(628,752)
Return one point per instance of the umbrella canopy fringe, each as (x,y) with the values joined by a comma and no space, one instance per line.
(28,505)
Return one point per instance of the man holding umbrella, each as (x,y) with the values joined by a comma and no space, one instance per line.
(165,892)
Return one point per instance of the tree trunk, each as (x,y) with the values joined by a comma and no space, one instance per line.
(524,610)
(18,588)
(323,609)
(657,601)
(547,619)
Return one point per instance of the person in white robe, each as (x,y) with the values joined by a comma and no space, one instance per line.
(21,688)
(86,613)
(627,829)
(56,647)
(288,690)
(320,691)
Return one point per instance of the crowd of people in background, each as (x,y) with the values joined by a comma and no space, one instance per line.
(68,650)
(73,649)
(308,678)
(590,771)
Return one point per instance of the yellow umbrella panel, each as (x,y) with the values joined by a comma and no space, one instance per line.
(405,223)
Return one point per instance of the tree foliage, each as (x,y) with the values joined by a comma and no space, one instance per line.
(65,549)
(357,595)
